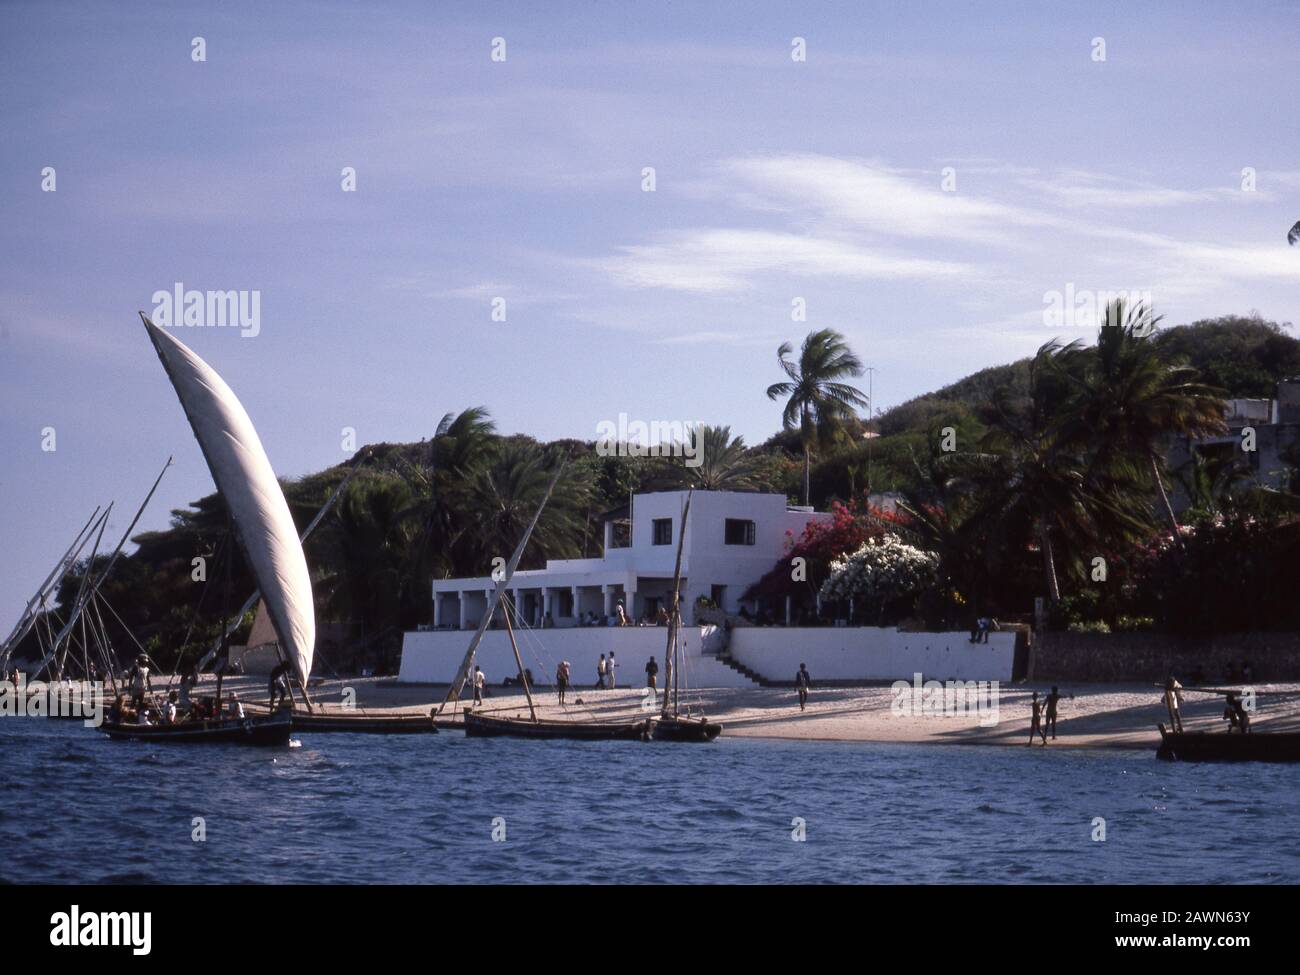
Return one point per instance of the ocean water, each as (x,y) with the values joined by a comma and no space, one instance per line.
(78,808)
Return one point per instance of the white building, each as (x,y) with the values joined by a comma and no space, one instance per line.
(732,539)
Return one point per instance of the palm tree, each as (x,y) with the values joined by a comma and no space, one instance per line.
(1032,471)
(461,447)
(505,495)
(1209,480)
(724,463)
(817,402)
(367,544)
(1133,397)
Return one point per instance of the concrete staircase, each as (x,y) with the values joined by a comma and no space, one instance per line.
(728,661)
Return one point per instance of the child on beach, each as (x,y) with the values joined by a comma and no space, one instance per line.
(803,681)
(1050,712)
(1036,722)
(562,680)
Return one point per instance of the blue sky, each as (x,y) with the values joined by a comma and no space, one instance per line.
(522,179)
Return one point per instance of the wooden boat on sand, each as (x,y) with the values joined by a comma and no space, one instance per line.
(677,728)
(1208,746)
(480,725)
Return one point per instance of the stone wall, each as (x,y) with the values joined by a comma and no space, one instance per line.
(1114,657)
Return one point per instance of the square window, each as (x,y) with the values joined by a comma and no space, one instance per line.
(739,531)
(663,531)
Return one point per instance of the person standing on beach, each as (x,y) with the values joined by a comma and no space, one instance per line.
(562,680)
(600,673)
(479,680)
(803,681)
(609,669)
(1036,722)
(651,674)
(1174,701)
(1050,710)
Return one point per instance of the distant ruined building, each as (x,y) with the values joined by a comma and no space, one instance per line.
(1276,426)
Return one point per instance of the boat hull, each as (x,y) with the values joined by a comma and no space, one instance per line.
(364,724)
(1205,746)
(269,730)
(486,726)
(684,729)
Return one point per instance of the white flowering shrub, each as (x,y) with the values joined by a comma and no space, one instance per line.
(883,573)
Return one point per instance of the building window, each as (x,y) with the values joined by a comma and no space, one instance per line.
(663,531)
(719,595)
(739,531)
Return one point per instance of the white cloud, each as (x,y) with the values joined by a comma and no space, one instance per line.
(872,197)
(717,260)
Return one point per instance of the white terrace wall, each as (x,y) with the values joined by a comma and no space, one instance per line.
(871,653)
(831,653)
(431,657)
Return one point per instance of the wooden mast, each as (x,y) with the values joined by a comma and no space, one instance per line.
(52,580)
(670,652)
(458,682)
(78,603)
(89,585)
(523,678)
(39,606)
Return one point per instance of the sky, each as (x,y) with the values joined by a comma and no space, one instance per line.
(923,179)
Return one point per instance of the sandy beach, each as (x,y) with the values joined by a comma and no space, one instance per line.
(1095,716)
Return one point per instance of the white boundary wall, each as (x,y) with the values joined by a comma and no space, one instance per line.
(872,653)
(831,653)
(432,657)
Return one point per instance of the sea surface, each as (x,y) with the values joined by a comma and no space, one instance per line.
(78,808)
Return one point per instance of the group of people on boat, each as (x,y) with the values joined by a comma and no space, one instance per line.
(128,710)
(1235,711)
(137,704)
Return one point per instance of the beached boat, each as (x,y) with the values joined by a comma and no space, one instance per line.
(364,724)
(271,729)
(480,725)
(671,725)
(677,728)
(1211,746)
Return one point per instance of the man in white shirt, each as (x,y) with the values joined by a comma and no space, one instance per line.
(600,673)
(610,664)
(479,681)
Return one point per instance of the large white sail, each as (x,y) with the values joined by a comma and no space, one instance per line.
(244,477)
